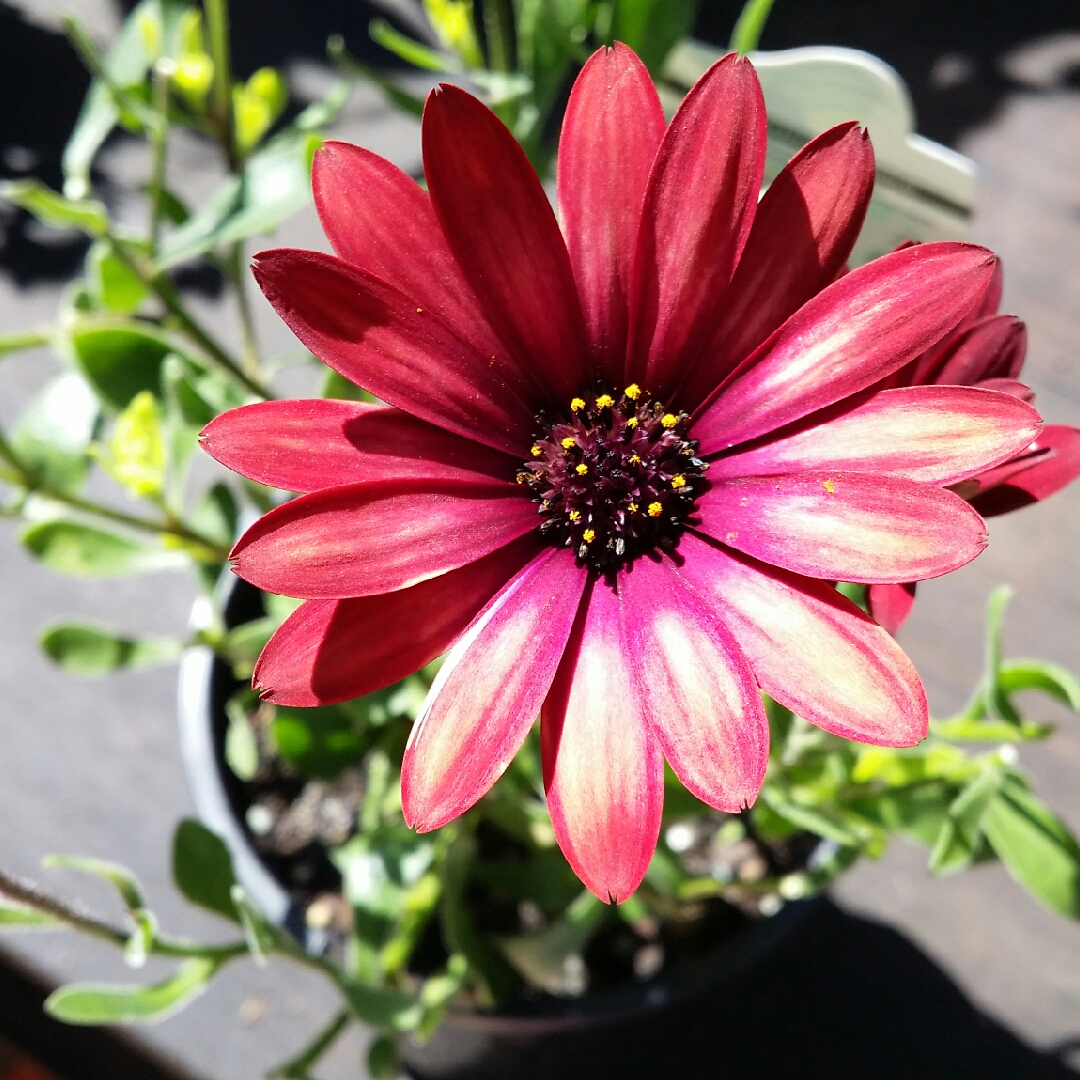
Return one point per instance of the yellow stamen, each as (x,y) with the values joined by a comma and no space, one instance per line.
(581,469)
(537,450)
(669,420)
(633,391)
(635,460)
(829,486)
(678,481)
(521,478)
(605,401)
(567,443)
(656,509)
(577,404)
(589,535)
(575,516)
(632,422)
(632,507)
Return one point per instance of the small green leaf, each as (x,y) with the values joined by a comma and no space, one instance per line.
(337,386)
(122,879)
(134,455)
(454,23)
(409,49)
(378,1007)
(652,27)
(751,22)
(961,836)
(1052,679)
(112,282)
(78,550)
(383,1060)
(815,820)
(320,742)
(120,359)
(15,916)
(29,339)
(998,705)
(320,114)
(85,649)
(241,746)
(260,936)
(92,1003)
(216,514)
(52,208)
(202,868)
(1036,847)
(256,105)
(378,869)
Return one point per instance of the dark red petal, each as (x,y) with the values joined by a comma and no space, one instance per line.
(1056,463)
(695,685)
(382,340)
(613,125)
(804,230)
(380,220)
(891,604)
(603,767)
(334,650)
(845,526)
(504,236)
(488,692)
(699,208)
(812,649)
(299,445)
(379,537)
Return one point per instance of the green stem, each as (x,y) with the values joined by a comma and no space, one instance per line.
(217,23)
(159,145)
(250,354)
(11,343)
(298,1067)
(499,30)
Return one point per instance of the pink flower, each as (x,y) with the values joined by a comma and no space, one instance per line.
(535,501)
(986,350)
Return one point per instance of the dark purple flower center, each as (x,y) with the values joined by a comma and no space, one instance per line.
(618,478)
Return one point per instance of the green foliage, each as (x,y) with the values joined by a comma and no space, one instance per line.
(256,105)
(18,917)
(113,284)
(53,436)
(120,359)
(750,24)
(86,649)
(652,27)
(54,209)
(202,868)
(78,550)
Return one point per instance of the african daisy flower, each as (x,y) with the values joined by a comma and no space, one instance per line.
(620,463)
(986,350)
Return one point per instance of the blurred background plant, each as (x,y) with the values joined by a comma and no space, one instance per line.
(103,471)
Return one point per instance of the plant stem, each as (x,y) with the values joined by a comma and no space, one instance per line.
(159,144)
(250,354)
(217,23)
(298,1067)
(499,30)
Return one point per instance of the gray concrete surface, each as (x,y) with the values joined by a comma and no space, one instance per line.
(93,767)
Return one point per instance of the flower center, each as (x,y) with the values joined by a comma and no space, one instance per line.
(615,480)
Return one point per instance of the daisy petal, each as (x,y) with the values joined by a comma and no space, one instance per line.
(891,604)
(334,650)
(379,537)
(613,125)
(381,220)
(384,341)
(993,348)
(848,337)
(812,649)
(805,227)
(696,687)
(933,434)
(603,767)
(504,236)
(1055,463)
(699,207)
(488,693)
(845,526)
(306,445)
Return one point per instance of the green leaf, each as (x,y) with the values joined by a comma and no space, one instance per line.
(1036,847)
(120,359)
(197,234)
(409,49)
(401,99)
(320,114)
(29,339)
(454,23)
(85,649)
(202,868)
(961,836)
(751,22)
(383,1060)
(379,1007)
(337,386)
(216,514)
(135,455)
(112,282)
(1052,679)
(241,746)
(54,434)
(93,1003)
(122,879)
(816,820)
(260,936)
(78,550)
(965,729)
(256,105)
(652,27)
(320,742)
(52,208)
(998,705)
(379,868)
(15,916)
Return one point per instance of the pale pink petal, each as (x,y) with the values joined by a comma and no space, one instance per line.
(891,604)
(812,649)
(699,208)
(384,341)
(489,691)
(378,537)
(335,650)
(1054,462)
(503,233)
(845,526)
(381,220)
(603,767)
(933,434)
(805,227)
(299,445)
(613,125)
(695,685)
(857,331)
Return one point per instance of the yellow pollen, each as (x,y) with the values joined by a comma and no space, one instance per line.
(537,450)
(632,422)
(521,478)
(589,535)
(575,515)
(669,420)
(577,404)
(419,311)
(581,469)
(605,401)
(635,460)
(678,481)
(633,391)
(567,443)
(656,509)
(632,507)
(829,486)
